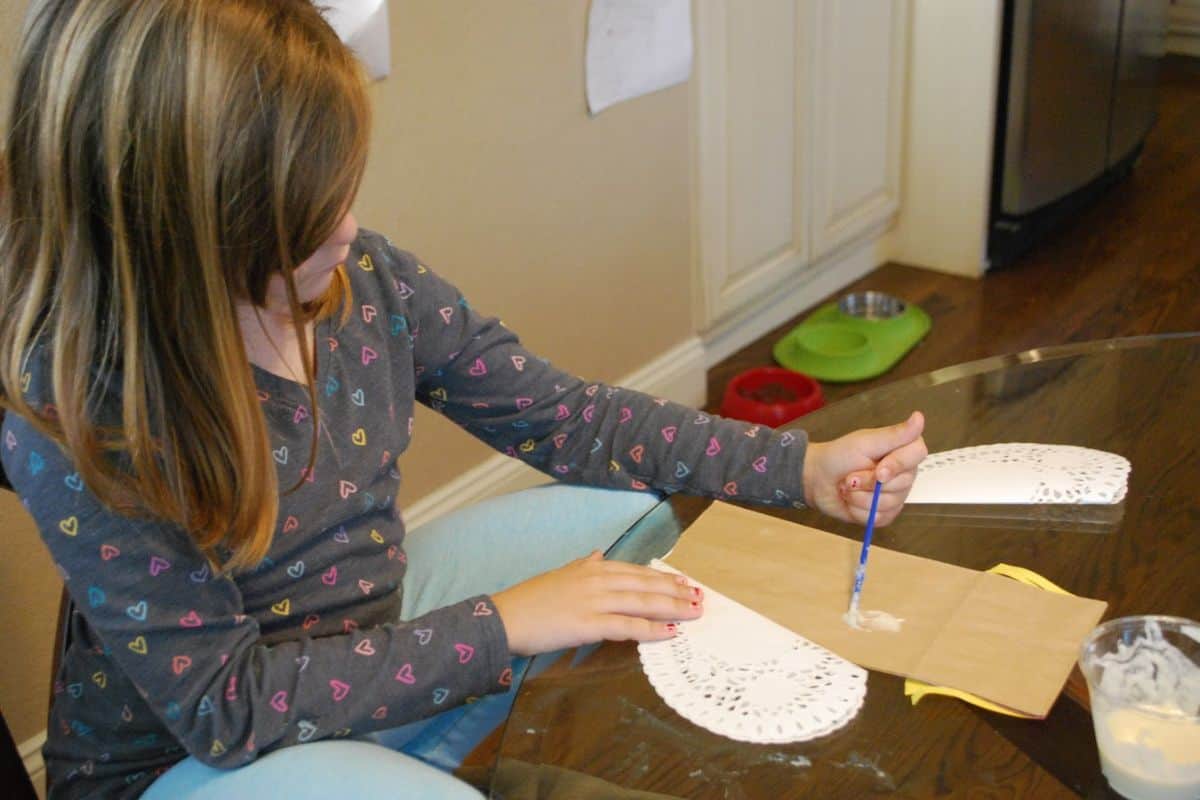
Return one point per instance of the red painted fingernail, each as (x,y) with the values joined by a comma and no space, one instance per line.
(696,591)
(854,483)
(695,604)
(672,628)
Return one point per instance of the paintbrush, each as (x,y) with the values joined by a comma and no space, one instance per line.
(861,572)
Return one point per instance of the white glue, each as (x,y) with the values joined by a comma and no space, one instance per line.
(872,620)
(1147,718)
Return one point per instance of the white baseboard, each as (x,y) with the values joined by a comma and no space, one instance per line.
(31,755)
(678,374)
(1183,45)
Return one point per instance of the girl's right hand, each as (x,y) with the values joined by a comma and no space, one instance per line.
(592,599)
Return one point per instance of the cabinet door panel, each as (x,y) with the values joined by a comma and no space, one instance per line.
(751,226)
(857,95)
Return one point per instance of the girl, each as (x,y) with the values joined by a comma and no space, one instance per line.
(211,372)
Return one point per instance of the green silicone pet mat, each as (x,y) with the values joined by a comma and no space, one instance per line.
(831,345)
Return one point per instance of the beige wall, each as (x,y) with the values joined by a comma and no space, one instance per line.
(485,163)
(574,230)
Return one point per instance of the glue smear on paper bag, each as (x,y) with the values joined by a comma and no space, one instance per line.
(873,621)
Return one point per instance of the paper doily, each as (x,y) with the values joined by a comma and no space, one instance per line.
(1019,472)
(740,675)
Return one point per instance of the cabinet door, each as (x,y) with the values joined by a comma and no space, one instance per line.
(798,108)
(857,91)
(751,220)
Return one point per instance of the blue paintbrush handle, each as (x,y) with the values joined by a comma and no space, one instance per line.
(861,572)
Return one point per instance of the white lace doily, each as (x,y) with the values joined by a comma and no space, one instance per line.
(740,675)
(1019,472)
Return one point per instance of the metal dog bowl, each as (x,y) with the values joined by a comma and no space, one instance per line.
(871,305)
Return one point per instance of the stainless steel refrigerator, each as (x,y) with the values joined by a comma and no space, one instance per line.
(1076,99)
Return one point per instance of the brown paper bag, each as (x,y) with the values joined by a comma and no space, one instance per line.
(1005,641)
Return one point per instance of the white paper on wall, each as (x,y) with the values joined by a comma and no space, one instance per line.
(635,47)
(363,26)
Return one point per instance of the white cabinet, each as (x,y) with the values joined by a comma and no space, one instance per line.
(857,87)
(798,108)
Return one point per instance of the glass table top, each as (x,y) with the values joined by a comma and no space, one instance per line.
(588,724)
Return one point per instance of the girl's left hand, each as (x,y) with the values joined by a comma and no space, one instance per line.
(839,476)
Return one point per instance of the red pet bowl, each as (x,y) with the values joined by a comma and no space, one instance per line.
(771,396)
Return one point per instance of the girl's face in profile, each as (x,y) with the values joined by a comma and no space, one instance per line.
(314,275)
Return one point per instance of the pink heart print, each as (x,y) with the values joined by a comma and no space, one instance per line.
(668,433)
(447,314)
(340,690)
(158,565)
(365,648)
(279,701)
(524,403)
(405,675)
(108,552)
(714,447)
(346,488)
(519,363)
(478,368)
(180,663)
(379,713)
(329,578)
(482,610)
(562,413)
(465,652)
(368,313)
(368,355)
(191,620)
(760,464)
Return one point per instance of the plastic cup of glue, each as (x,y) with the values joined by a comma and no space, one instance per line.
(1143,676)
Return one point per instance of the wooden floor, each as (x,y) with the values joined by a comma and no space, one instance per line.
(1128,265)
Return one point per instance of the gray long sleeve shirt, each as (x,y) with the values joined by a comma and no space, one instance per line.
(169,660)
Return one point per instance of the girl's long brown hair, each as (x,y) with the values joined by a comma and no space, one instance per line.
(163,159)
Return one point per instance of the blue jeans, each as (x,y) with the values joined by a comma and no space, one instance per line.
(509,539)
